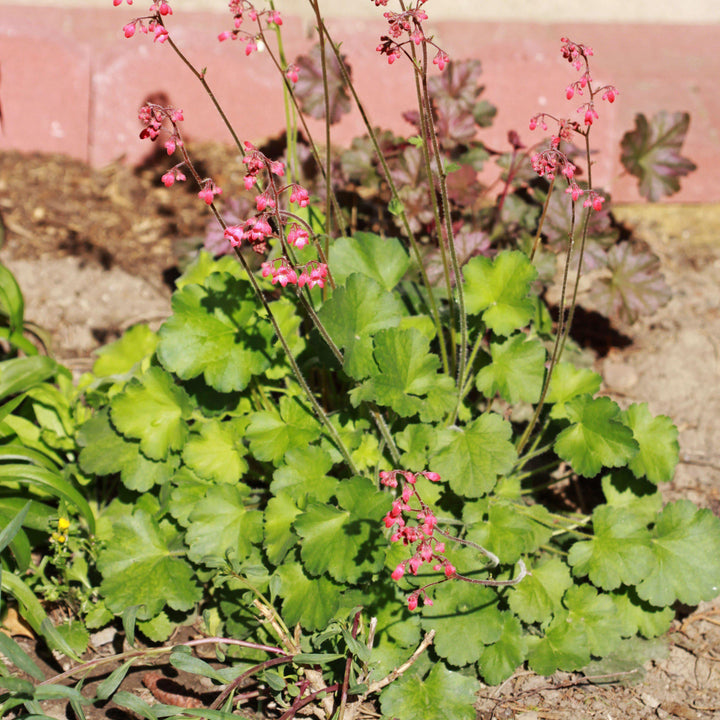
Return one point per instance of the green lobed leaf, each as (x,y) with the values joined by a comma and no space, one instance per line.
(216,450)
(657,438)
(498,289)
(597,614)
(596,436)
(685,548)
(346,541)
(476,455)
(499,660)
(623,490)
(619,551)
(106,452)
(312,602)
(353,314)
(213,333)
(510,530)
(384,260)
(278,518)
(304,475)
(539,595)
(408,380)
(119,357)
(639,616)
(272,434)
(141,565)
(516,372)
(221,523)
(569,381)
(442,695)
(153,410)
(466,619)
(564,647)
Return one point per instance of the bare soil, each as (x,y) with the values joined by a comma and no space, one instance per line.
(93,253)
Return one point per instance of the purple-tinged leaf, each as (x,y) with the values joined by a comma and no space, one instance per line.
(633,286)
(651,152)
(309,87)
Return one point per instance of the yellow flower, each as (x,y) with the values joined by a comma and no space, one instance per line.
(63,524)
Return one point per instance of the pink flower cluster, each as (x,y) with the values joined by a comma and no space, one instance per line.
(241,9)
(409,22)
(158,10)
(417,532)
(313,273)
(552,161)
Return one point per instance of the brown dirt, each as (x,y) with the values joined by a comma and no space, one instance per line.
(93,252)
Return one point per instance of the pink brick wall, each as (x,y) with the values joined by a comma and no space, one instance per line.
(72,83)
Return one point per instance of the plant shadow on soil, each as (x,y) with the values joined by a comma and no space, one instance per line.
(93,253)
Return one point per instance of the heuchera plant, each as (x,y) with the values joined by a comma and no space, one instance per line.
(363,471)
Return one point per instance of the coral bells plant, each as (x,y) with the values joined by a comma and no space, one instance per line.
(253,437)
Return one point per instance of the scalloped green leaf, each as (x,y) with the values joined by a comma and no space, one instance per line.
(638,495)
(308,601)
(498,289)
(279,517)
(516,372)
(596,437)
(344,541)
(569,381)
(639,616)
(597,614)
(106,452)
(500,660)
(220,522)
(142,565)
(685,548)
(476,455)
(564,647)
(408,380)
(153,410)
(217,452)
(213,332)
(121,356)
(619,551)
(353,314)
(511,530)
(466,619)
(442,695)
(539,595)
(304,475)
(657,437)
(384,260)
(272,433)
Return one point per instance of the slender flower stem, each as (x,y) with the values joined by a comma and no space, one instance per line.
(326,97)
(449,236)
(201,77)
(396,198)
(538,234)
